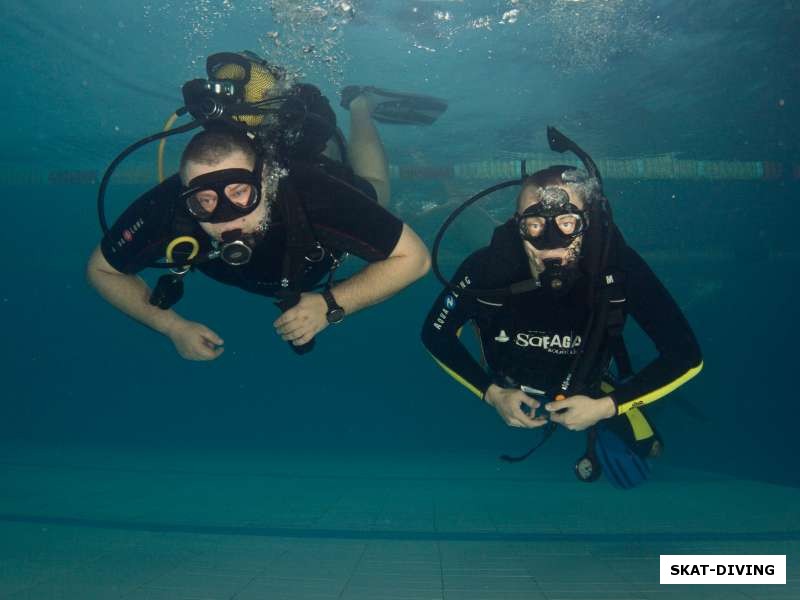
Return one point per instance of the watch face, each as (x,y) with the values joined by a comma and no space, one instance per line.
(336,315)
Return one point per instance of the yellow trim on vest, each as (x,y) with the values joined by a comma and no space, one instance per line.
(639,424)
(455,375)
(458,378)
(641,428)
(660,392)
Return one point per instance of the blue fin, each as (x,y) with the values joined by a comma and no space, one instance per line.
(624,468)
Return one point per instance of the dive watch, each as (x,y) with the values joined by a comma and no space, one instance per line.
(335,312)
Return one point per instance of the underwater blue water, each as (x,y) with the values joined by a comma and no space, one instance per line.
(702,80)
(76,370)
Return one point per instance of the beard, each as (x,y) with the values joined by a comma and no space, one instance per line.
(253,238)
(568,256)
(254,233)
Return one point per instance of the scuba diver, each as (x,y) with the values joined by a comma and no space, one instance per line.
(269,198)
(549,297)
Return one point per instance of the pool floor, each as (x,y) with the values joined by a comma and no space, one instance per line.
(99,522)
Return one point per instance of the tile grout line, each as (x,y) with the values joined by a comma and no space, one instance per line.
(353,572)
(438,547)
(536,582)
(162,574)
(256,576)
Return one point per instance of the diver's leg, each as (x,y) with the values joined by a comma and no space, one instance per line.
(365,150)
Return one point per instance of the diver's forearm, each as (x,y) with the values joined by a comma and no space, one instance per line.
(377,282)
(656,380)
(130,294)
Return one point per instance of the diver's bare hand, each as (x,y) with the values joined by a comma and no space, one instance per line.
(577,413)
(508,404)
(195,341)
(304,320)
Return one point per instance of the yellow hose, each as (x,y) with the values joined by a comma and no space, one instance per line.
(167,126)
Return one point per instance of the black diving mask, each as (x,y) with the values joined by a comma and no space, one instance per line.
(222,196)
(553,222)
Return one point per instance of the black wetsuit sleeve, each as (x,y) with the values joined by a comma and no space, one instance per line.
(348,218)
(141,234)
(442,328)
(679,357)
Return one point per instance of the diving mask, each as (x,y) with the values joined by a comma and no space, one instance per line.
(553,222)
(222,196)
